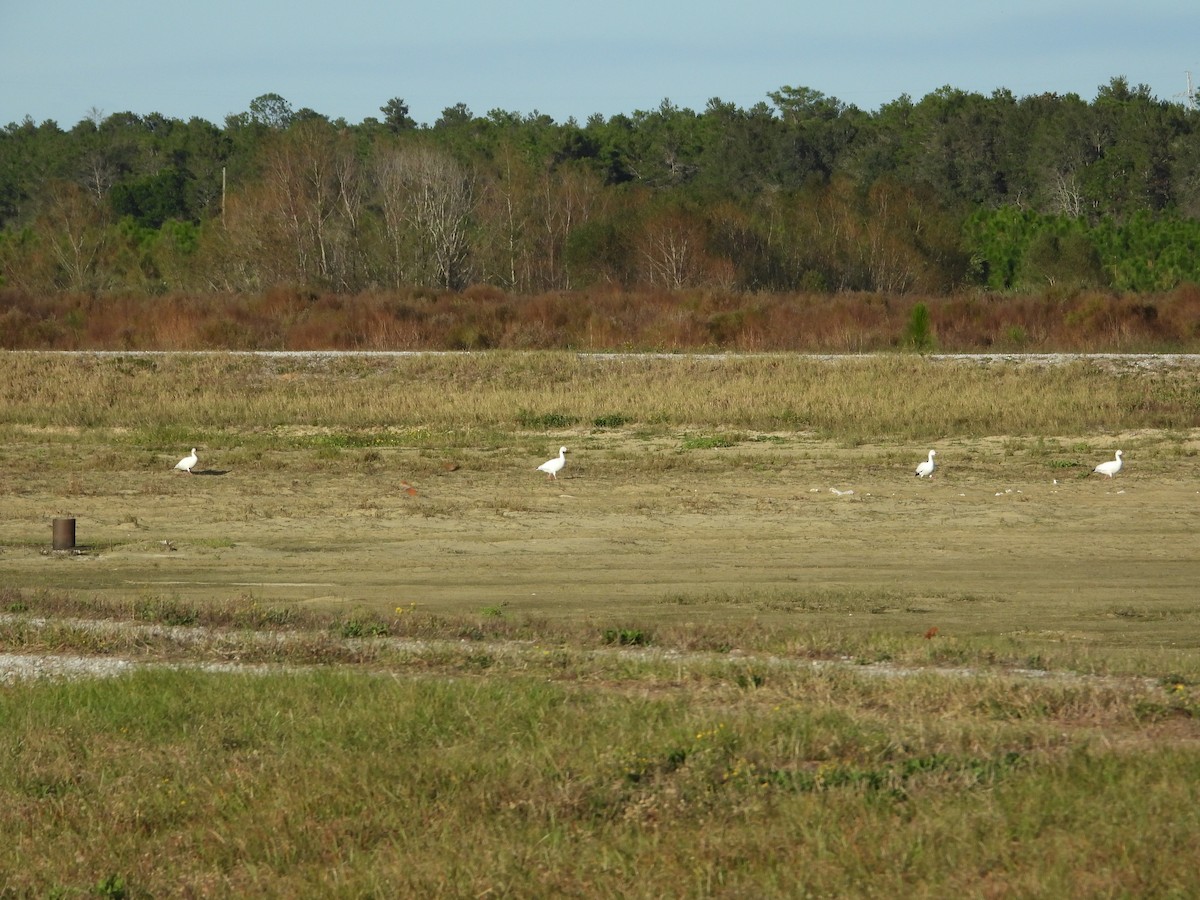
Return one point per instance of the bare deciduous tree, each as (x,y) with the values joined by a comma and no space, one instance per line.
(672,250)
(1065,196)
(315,194)
(427,200)
(73,226)
(568,198)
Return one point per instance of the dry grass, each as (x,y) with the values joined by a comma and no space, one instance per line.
(408,398)
(486,318)
(688,667)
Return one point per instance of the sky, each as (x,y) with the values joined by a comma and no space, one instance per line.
(68,60)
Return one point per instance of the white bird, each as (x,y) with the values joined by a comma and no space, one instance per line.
(187,462)
(926,468)
(553,466)
(1110,468)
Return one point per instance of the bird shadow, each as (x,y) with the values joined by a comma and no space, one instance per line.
(211,471)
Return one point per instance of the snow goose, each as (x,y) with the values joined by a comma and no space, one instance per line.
(187,462)
(1110,468)
(926,468)
(553,466)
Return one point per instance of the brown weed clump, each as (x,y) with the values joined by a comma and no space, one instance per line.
(600,319)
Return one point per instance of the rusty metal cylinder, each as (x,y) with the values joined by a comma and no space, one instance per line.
(64,534)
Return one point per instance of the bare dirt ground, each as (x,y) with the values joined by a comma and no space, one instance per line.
(776,528)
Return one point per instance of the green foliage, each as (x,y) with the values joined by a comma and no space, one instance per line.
(803,193)
(396,115)
(599,251)
(272,111)
(183,237)
(708,442)
(166,611)
(362,627)
(550,420)
(1016,337)
(1064,257)
(626,637)
(153,199)
(113,887)
(918,334)
(998,239)
(351,440)
(610,420)
(1024,250)
(1065,464)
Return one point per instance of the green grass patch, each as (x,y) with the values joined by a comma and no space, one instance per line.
(626,637)
(708,442)
(549,420)
(349,441)
(610,420)
(166,611)
(349,782)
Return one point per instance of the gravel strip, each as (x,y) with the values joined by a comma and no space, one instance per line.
(31,666)
(26,666)
(1111,360)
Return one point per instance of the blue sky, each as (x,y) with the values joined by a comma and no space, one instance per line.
(61,60)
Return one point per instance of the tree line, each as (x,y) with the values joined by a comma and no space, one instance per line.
(954,191)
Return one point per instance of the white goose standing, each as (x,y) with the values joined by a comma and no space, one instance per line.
(1110,468)
(187,462)
(553,466)
(926,468)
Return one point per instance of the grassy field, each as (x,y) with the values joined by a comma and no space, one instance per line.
(736,649)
